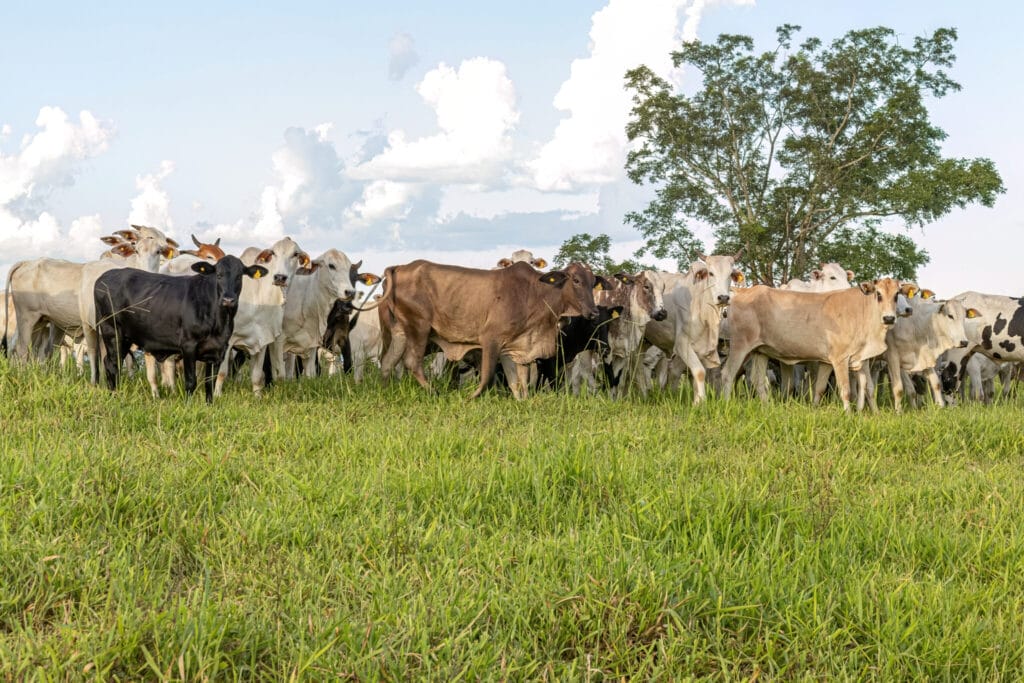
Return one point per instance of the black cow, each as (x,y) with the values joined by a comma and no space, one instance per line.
(168,315)
(577,334)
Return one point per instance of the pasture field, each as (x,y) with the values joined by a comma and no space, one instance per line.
(328,531)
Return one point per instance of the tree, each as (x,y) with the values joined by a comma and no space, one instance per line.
(594,252)
(799,155)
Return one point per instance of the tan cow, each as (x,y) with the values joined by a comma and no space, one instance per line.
(843,328)
(511,313)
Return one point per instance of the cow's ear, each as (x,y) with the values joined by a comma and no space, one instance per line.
(601,284)
(555,277)
(169,252)
(908,290)
(867,287)
(973,313)
(849,275)
(111,240)
(927,294)
(124,250)
(737,277)
(368,278)
(816,274)
(172,243)
(265,256)
(203,267)
(700,274)
(942,308)
(505,263)
(625,278)
(256,272)
(539,263)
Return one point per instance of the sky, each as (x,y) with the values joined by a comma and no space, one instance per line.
(457,131)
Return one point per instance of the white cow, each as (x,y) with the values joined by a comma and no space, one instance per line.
(915,343)
(259,320)
(44,292)
(523,255)
(694,304)
(332,276)
(830,277)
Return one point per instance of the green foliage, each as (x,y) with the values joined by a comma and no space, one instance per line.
(594,251)
(334,532)
(787,151)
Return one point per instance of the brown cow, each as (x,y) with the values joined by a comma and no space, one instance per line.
(510,314)
(844,328)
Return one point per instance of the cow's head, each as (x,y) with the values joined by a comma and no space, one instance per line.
(522,255)
(139,231)
(577,283)
(340,275)
(717,273)
(338,326)
(832,276)
(207,251)
(283,260)
(648,294)
(951,318)
(228,273)
(886,293)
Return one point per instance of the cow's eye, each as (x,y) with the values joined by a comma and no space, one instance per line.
(832,278)
(331,266)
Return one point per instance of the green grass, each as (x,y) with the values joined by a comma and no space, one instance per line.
(329,530)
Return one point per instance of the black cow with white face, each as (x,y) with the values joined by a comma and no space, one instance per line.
(167,315)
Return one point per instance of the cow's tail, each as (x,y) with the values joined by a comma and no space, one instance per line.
(386,302)
(7,312)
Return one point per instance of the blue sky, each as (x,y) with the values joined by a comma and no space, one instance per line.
(456,130)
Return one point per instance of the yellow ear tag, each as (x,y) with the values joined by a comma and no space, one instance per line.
(256,275)
(738,277)
(971,313)
(911,292)
(598,287)
(615,314)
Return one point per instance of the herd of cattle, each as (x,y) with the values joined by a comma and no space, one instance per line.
(285,311)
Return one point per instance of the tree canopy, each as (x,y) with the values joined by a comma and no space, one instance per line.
(593,251)
(799,155)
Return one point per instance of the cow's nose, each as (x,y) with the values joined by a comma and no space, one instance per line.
(660,314)
(280,280)
(723,299)
(229,302)
(348,295)
(888,319)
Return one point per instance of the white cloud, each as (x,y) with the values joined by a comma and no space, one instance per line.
(476,112)
(488,204)
(152,206)
(401,55)
(381,201)
(50,158)
(589,145)
(47,160)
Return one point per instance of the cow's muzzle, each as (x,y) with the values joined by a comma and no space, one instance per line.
(723,299)
(659,314)
(229,302)
(280,280)
(888,319)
